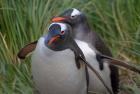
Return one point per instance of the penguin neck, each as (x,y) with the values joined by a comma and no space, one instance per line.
(81,31)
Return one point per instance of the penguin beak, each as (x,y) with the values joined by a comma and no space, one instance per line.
(53,39)
(58,18)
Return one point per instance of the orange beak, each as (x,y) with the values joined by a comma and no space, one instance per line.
(57,19)
(53,39)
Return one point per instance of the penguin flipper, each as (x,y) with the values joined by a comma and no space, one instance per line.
(120,63)
(26,50)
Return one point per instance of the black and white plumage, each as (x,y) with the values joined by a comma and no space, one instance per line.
(54,67)
(82,32)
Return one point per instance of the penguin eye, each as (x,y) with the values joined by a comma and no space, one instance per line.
(73,16)
(62,32)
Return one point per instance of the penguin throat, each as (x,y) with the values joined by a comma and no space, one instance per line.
(81,31)
(58,45)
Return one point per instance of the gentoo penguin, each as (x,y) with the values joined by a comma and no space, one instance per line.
(55,66)
(82,31)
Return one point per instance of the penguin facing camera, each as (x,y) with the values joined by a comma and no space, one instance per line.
(54,66)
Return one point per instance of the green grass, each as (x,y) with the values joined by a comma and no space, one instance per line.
(23,21)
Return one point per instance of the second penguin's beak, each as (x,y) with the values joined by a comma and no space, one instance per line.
(58,18)
(53,39)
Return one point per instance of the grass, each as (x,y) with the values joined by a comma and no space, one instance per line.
(23,21)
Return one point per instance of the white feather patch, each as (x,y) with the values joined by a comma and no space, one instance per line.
(62,25)
(75,12)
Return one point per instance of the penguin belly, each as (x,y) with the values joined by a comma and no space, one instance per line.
(55,72)
(95,85)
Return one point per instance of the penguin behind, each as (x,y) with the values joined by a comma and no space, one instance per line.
(82,31)
(53,65)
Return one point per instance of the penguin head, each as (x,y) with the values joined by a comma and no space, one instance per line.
(58,36)
(71,16)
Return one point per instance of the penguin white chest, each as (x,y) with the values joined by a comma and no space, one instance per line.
(55,72)
(95,84)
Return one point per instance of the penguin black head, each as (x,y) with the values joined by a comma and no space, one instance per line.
(58,36)
(71,16)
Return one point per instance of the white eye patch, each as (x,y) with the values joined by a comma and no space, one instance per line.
(75,12)
(62,25)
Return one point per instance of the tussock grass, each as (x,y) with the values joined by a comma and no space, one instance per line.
(23,21)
